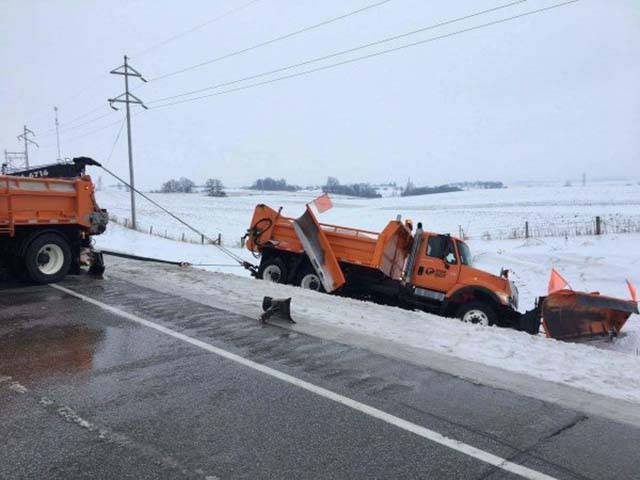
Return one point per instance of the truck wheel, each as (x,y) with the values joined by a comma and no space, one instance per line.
(48,258)
(310,280)
(478,313)
(273,270)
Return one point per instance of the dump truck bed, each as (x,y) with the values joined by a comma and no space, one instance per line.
(385,251)
(44,201)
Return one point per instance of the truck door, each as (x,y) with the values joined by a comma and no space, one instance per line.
(437,266)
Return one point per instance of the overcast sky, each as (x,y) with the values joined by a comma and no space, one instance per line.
(547,96)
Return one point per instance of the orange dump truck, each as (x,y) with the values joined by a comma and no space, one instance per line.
(397,266)
(46,225)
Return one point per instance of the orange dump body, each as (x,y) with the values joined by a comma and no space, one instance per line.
(568,315)
(45,201)
(385,251)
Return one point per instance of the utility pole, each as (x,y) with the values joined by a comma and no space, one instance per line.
(128,71)
(55,109)
(27,141)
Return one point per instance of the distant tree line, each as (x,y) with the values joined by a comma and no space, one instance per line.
(180,185)
(411,190)
(477,185)
(273,184)
(354,189)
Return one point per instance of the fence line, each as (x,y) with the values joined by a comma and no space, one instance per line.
(125,222)
(599,225)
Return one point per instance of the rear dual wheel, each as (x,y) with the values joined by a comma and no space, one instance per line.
(310,280)
(47,258)
(273,270)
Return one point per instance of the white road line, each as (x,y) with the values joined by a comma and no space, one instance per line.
(431,435)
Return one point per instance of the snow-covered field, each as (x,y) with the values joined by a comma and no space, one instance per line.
(591,263)
(478,212)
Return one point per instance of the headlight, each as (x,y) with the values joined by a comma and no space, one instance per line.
(504,297)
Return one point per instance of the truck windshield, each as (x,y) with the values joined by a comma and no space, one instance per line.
(465,253)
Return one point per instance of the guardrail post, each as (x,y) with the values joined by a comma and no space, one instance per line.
(202,239)
(598,225)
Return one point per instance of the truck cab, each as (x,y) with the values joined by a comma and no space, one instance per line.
(442,273)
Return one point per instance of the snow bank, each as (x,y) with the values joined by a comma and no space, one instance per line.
(580,366)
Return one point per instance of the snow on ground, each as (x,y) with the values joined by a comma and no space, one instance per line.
(577,365)
(590,263)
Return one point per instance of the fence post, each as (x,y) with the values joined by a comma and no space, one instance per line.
(151,230)
(598,225)
(219,239)
(526,229)
(202,239)
(183,236)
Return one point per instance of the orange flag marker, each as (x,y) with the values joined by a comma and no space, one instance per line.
(323,203)
(556,282)
(632,291)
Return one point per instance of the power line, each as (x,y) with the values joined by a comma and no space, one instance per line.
(193,29)
(80,125)
(365,57)
(81,91)
(91,132)
(341,52)
(271,41)
(115,142)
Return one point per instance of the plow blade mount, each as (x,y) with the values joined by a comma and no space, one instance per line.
(317,247)
(569,315)
(280,307)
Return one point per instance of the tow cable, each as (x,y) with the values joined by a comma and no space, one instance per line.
(241,262)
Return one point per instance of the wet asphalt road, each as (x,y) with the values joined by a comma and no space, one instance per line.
(85,393)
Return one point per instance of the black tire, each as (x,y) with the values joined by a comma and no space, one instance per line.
(273,270)
(47,258)
(309,280)
(481,313)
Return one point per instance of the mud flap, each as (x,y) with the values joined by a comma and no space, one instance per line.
(97,264)
(317,247)
(570,315)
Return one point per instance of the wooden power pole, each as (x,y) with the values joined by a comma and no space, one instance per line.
(128,98)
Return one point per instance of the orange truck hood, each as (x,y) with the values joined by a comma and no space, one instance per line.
(476,277)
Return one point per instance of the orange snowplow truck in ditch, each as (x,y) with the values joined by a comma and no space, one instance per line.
(397,266)
(46,225)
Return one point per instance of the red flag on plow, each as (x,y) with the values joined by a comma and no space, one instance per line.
(556,282)
(632,291)
(322,203)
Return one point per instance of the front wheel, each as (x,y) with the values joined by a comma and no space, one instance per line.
(47,258)
(478,313)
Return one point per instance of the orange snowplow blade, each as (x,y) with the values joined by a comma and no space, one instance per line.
(319,250)
(569,315)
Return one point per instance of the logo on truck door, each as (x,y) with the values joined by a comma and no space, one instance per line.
(432,271)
